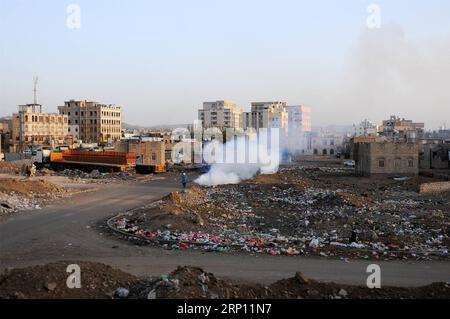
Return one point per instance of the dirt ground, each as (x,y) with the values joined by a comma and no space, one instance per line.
(101,282)
(9,168)
(21,194)
(309,208)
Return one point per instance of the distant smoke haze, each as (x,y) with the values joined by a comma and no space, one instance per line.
(387,74)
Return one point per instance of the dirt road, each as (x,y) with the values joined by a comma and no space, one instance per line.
(68,232)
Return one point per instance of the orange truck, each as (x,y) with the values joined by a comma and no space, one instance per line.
(104,161)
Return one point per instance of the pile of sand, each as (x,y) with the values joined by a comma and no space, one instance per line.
(26,187)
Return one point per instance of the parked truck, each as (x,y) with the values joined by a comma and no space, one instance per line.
(104,161)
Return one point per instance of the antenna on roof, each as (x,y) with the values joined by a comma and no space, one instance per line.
(35,101)
(35,82)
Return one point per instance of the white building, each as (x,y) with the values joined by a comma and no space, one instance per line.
(329,143)
(366,128)
(220,114)
(299,118)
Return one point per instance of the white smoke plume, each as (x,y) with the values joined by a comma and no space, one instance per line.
(241,158)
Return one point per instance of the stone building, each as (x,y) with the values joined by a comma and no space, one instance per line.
(147,153)
(386,157)
(31,126)
(435,156)
(5,133)
(93,122)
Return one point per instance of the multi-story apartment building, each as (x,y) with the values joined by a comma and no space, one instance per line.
(222,114)
(267,115)
(31,126)
(93,122)
(299,118)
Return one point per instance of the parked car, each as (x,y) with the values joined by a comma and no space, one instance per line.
(350,163)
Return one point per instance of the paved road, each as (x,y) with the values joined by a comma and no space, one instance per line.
(68,232)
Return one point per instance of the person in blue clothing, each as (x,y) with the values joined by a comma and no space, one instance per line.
(184,179)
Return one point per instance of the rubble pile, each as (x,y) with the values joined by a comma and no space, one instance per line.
(24,194)
(323,211)
(104,282)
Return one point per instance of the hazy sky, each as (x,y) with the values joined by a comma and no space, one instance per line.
(161,59)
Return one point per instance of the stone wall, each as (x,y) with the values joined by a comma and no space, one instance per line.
(437,187)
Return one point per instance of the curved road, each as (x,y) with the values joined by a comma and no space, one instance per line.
(68,231)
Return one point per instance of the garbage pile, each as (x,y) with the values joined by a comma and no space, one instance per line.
(24,194)
(100,281)
(300,211)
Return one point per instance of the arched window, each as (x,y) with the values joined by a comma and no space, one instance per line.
(324,152)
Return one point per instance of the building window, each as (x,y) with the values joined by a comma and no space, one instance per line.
(381,162)
(410,162)
(324,152)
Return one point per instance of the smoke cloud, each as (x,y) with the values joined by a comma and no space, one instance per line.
(241,158)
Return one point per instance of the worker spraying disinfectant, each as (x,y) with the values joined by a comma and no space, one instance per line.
(184,179)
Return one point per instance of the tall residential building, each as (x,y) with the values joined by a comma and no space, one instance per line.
(31,126)
(221,114)
(267,115)
(93,122)
(299,117)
